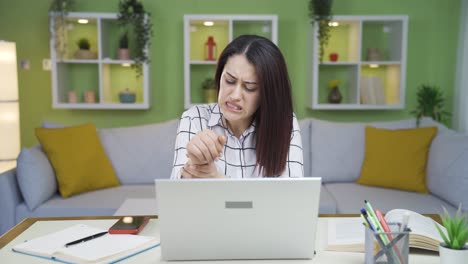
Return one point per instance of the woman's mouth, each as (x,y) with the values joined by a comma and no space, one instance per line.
(233,107)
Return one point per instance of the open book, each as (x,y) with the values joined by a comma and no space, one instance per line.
(104,249)
(347,234)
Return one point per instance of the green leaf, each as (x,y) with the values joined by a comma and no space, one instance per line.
(442,234)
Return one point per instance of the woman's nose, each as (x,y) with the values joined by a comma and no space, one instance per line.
(237,92)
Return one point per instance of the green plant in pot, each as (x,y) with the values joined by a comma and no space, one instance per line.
(454,248)
(84,51)
(320,13)
(209,89)
(123,53)
(83,44)
(133,15)
(430,103)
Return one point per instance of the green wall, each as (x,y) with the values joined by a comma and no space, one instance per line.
(431,57)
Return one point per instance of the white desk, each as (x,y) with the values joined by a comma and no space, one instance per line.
(137,206)
(154,255)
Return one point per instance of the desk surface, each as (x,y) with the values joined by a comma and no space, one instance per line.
(34,227)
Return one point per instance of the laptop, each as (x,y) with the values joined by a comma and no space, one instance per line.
(227,219)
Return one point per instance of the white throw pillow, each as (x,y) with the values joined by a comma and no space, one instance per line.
(447,170)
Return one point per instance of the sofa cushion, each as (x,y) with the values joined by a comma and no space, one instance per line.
(350,199)
(78,159)
(141,154)
(36,177)
(100,202)
(327,202)
(397,158)
(447,170)
(337,148)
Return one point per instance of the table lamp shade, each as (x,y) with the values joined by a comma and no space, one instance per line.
(9,105)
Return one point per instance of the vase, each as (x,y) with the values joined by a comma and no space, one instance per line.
(85,54)
(123,54)
(452,256)
(334,96)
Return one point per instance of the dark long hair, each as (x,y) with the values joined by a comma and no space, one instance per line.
(274,116)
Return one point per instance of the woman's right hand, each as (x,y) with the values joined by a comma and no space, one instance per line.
(205,147)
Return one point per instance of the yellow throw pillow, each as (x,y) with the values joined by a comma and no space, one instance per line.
(78,158)
(397,158)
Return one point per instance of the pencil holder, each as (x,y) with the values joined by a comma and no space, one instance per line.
(387,247)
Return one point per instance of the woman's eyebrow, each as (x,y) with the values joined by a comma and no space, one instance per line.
(247,82)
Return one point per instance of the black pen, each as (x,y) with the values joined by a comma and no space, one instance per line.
(85,239)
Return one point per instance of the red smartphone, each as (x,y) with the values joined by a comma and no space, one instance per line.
(129,225)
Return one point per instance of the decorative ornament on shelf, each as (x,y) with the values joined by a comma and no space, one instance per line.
(211,50)
(454,248)
(123,52)
(320,12)
(334,96)
(374,54)
(90,96)
(59,10)
(430,103)
(209,89)
(333,56)
(127,96)
(132,15)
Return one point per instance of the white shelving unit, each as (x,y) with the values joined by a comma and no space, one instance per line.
(106,76)
(367,81)
(224,29)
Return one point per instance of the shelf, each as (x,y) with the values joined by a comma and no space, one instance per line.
(224,29)
(367,56)
(94,83)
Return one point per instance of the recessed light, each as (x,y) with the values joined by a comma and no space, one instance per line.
(208,23)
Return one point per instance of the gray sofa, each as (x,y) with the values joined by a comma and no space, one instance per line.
(332,150)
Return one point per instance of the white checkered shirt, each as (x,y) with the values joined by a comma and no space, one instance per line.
(238,158)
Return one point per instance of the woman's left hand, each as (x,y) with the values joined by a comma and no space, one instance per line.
(200,171)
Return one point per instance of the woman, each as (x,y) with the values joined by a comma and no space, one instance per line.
(252,130)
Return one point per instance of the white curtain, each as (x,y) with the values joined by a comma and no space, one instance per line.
(460,111)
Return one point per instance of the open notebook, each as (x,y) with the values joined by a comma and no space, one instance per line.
(104,249)
(347,234)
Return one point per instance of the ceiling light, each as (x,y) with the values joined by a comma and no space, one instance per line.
(208,23)
(83,21)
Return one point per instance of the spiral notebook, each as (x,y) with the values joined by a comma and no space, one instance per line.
(105,249)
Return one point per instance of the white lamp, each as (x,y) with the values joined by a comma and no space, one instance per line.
(9,106)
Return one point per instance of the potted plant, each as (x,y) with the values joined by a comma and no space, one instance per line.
(123,52)
(320,13)
(132,14)
(430,103)
(84,51)
(454,248)
(209,89)
(59,9)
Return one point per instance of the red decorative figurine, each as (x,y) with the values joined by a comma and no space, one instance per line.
(210,49)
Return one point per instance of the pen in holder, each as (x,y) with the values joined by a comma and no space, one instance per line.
(387,247)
